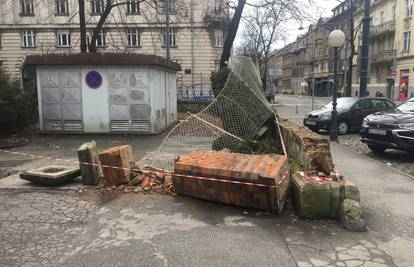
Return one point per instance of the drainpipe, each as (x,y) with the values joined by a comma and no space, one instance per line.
(168,27)
(192,41)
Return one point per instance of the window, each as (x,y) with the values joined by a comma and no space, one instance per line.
(101,39)
(364,104)
(133,36)
(319,52)
(28,38)
(218,36)
(378,104)
(171,37)
(409,8)
(62,7)
(164,6)
(98,7)
(393,12)
(27,8)
(63,39)
(218,6)
(133,7)
(406,41)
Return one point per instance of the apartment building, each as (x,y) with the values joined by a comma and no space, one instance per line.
(52,26)
(383,41)
(404,49)
(305,61)
(316,73)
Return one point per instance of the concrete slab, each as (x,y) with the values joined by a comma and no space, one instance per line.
(51,175)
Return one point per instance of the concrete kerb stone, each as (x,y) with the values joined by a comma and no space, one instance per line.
(311,199)
(309,149)
(350,215)
(91,171)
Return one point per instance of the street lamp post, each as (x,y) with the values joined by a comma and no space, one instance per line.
(336,39)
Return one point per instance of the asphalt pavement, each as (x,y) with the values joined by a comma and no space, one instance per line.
(69,227)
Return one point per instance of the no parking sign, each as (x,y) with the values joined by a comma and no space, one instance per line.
(93,79)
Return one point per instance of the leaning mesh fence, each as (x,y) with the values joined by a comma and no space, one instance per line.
(234,117)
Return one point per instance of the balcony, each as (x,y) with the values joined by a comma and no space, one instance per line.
(379,56)
(383,28)
(217,18)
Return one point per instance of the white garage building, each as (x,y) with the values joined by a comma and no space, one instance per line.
(105,93)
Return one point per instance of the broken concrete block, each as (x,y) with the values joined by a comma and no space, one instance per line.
(350,215)
(251,181)
(89,164)
(52,175)
(116,165)
(314,199)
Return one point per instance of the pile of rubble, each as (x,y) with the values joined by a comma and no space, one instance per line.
(116,170)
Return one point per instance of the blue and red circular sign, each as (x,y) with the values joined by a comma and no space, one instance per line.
(93,79)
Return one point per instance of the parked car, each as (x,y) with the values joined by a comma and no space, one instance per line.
(351,112)
(392,129)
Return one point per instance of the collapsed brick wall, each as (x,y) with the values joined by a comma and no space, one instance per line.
(309,149)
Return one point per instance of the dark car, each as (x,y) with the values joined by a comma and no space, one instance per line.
(393,129)
(351,113)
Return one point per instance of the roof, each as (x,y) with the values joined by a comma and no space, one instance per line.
(101,59)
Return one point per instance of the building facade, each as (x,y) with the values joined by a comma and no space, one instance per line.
(404,50)
(197,33)
(382,47)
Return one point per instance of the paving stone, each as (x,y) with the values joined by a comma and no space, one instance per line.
(360,254)
(354,263)
(318,263)
(91,171)
(344,257)
(121,158)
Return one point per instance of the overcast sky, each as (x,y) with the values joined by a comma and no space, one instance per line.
(322,8)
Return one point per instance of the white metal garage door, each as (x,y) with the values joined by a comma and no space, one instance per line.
(129,101)
(61,100)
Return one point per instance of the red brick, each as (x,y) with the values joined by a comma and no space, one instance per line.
(267,170)
(121,156)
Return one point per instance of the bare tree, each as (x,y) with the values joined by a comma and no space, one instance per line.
(265,25)
(108,7)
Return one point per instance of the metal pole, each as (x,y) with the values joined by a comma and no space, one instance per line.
(333,130)
(313,92)
(345,66)
(167,27)
(363,82)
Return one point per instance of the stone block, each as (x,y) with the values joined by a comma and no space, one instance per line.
(89,164)
(314,199)
(350,215)
(116,165)
(52,175)
(251,181)
(309,149)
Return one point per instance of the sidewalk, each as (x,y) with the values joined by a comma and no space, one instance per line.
(386,197)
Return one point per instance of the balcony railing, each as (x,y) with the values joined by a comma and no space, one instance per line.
(388,26)
(381,55)
(217,18)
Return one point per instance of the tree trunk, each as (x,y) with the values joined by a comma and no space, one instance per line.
(234,25)
(98,28)
(82,25)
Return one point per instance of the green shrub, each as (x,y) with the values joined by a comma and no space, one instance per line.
(18,107)
(218,80)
